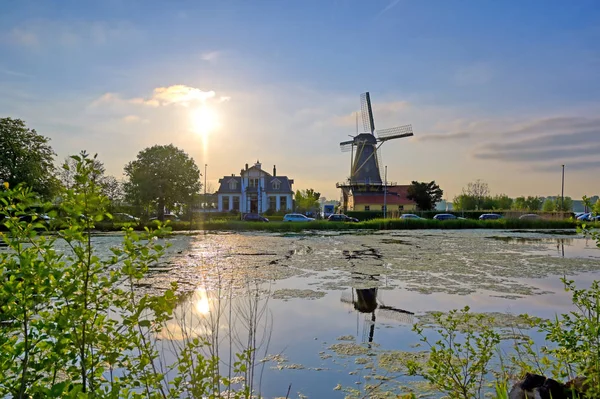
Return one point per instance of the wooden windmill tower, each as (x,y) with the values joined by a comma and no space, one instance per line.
(365,169)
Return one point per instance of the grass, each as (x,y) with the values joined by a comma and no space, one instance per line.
(375,224)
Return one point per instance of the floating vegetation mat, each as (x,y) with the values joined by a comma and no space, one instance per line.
(459,262)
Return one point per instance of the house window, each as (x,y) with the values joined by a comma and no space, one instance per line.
(253,182)
(283,202)
(400,207)
(232,185)
(272,203)
(225,203)
(236,203)
(367,208)
(276,185)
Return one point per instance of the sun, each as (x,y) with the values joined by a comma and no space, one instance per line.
(205,120)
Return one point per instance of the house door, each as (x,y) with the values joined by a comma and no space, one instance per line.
(253,205)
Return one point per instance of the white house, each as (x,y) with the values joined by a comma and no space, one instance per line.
(255,191)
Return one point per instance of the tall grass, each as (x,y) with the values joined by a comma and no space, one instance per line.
(375,224)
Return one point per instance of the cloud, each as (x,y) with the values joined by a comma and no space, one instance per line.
(176,94)
(444,136)
(133,119)
(23,37)
(575,165)
(567,140)
(475,74)
(390,5)
(162,96)
(15,73)
(211,56)
(43,33)
(385,110)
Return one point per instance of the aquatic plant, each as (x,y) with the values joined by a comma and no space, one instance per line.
(73,324)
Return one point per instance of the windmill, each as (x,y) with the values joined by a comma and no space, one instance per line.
(366,301)
(366,162)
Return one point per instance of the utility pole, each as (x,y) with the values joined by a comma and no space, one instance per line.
(204,206)
(385,193)
(562,195)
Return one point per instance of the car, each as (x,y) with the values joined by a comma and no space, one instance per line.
(296,217)
(444,216)
(167,216)
(124,217)
(338,217)
(254,217)
(588,217)
(530,216)
(39,217)
(490,216)
(410,216)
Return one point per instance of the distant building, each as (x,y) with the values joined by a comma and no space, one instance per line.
(370,197)
(255,191)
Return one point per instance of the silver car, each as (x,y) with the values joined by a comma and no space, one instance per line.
(296,217)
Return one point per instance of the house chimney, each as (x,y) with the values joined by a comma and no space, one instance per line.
(258,164)
(246,166)
(274,171)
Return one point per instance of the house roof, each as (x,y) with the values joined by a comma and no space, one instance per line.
(285,184)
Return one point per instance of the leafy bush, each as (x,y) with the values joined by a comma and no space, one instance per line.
(73,324)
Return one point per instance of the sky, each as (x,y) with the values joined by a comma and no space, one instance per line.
(502,91)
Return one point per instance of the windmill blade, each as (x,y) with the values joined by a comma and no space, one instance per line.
(346,146)
(367,112)
(379,160)
(399,315)
(399,131)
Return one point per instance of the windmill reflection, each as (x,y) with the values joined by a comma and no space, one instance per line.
(366,301)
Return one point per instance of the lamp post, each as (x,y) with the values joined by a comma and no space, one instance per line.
(562,195)
(385,193)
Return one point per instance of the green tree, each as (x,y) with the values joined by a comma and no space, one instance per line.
(426,195)
(548,205)
(561,206)
(503,201)
(596,208)
(307,199)
(464,202)
(161,176)
(26,157)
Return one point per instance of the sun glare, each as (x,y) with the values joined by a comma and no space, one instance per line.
(201,301)
(205,120)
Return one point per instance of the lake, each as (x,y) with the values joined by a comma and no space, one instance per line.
(326,310)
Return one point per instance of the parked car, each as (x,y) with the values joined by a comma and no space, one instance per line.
(338,217)
(444,216)
(588,217)
(530,216)
(296,217)
(39,217)
(490,216)
(410,216)
(254,217)
(124,217)
(168,216)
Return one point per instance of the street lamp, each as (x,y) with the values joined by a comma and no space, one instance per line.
(562,195)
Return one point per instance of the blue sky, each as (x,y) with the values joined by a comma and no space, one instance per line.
(503,91)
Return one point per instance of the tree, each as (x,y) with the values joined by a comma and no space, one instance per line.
(478,190)
(503,201)
(162,176)
(596,208)
(69,171)
(112,188)
(530,203)
(426,195)
(26,157)
(563,206)
(548,205)
(307,199)
(464,202)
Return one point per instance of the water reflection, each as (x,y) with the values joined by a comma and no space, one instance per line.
(366,301)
